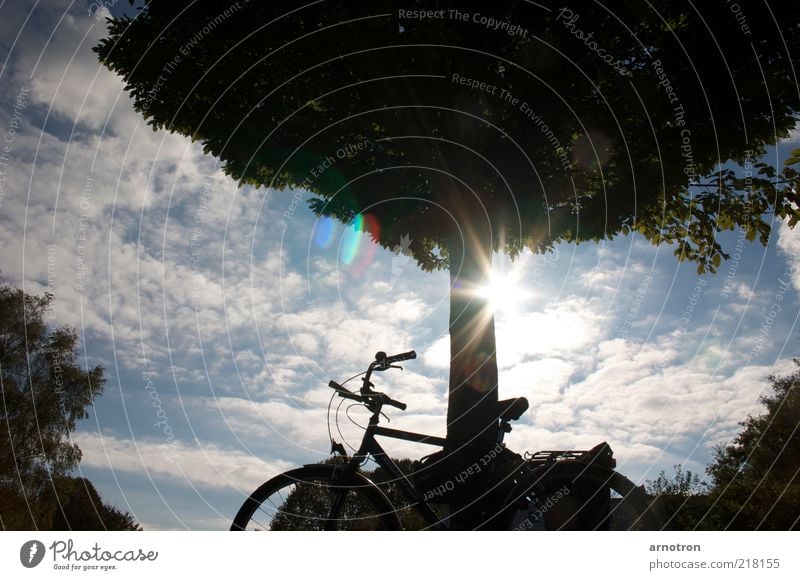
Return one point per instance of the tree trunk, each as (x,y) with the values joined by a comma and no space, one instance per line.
(472,399)
(472,402)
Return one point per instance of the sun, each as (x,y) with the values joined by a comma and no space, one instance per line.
(503,291)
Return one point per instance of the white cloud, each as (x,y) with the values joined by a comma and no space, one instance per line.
(566,326)
(789,245)
(200,466)
(437,355)
(541,381)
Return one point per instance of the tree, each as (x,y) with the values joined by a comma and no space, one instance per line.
(682,483)
(80,508)
(755,479)
(44,394)
(469,128)
(757,476)
(681,501)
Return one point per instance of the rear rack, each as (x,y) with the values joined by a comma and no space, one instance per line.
(599,455)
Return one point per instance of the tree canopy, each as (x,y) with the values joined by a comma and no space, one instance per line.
(555,124)
(45,392)
(453,129)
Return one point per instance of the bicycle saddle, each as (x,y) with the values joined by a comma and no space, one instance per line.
(511,409)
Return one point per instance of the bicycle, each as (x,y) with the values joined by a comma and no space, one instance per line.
(538,491)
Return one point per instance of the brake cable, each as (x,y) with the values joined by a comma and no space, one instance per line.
(336,416)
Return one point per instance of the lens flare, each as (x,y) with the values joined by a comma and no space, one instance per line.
(358,247)
(324,232)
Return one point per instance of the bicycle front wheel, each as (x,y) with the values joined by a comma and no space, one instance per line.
(316,497)
(580,496)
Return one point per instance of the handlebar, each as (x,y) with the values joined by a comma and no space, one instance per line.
(373,399)
(383,362)
(392,403)
(369,398)
(401,357)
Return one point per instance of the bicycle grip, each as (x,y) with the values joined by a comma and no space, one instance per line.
(398,404)
(337,387)
(401,357)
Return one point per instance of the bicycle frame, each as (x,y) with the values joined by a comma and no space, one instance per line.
(370,447)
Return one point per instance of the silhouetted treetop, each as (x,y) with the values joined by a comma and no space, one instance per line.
(534,122)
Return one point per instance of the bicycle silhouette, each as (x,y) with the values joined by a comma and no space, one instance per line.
(546,490)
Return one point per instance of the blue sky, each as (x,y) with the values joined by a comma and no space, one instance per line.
(220,320)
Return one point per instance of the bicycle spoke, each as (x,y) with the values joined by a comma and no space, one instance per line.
(263,527)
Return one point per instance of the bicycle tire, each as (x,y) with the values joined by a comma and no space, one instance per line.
(303,499)
(576,495)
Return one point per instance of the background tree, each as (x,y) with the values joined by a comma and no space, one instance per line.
(757,476)
(681,501)
(755,479)
(78,507)
(590,122)
(44,394)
